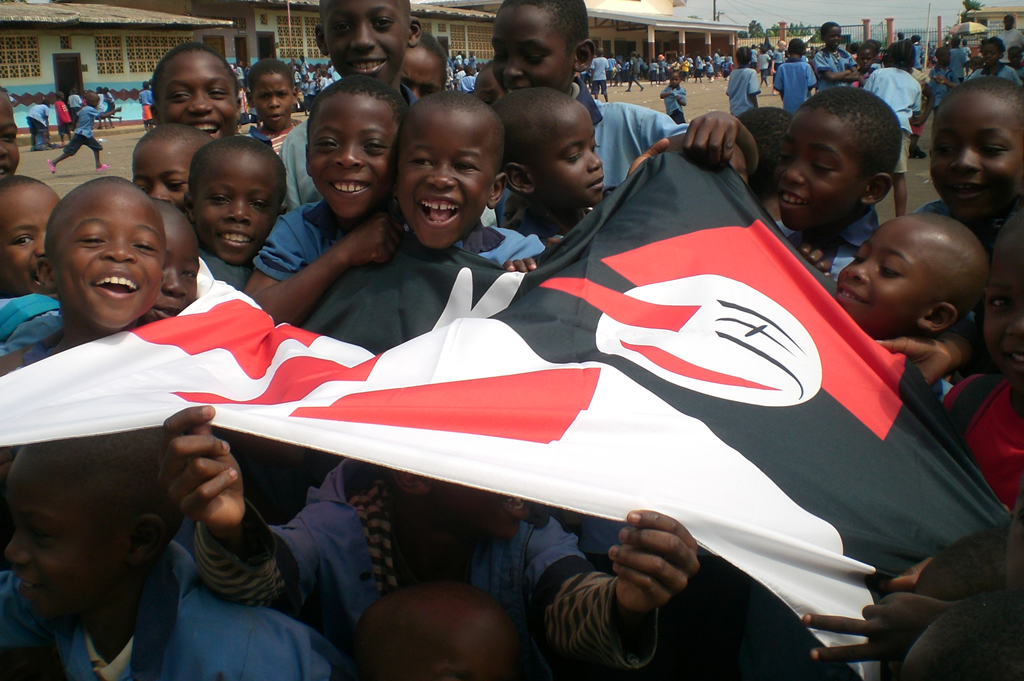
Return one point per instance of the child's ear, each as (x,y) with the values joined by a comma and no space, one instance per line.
(44,271)
(411,484)
(189,207)
(938,319)
(146,539)
(497,190)
(519,179)
(583,55)
(876,188)
(415,29)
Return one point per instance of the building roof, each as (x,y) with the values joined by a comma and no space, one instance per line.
(419,9)
(20,15)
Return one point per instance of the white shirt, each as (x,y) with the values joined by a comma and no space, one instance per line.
(1011,38)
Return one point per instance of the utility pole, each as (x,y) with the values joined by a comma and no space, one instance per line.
(714,10)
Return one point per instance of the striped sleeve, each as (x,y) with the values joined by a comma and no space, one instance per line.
(256,581)
(580,624)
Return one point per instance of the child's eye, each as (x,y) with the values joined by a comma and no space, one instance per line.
(998,301)
(22,240)
(991,150)
(886,272)
(464,167)
(574,158)
(260,205)
(382,24)
(189,273)
(339,27)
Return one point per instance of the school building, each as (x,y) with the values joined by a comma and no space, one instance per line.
(647,27)
(45,48)
(993,17)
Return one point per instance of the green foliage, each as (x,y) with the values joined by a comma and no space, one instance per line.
(755,30)
(970,6)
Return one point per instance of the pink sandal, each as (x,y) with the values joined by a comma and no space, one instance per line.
(102,168)
(53,168)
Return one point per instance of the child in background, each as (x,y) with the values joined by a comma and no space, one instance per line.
(768,125)
(835,165)
(273,95)
(992,62)
(179,283)
(743,88)
(104,255)
(550,159)
(1013,57)
(38,118)
(468,82)
(902,92)
(974,64)
(87,117)
(444,629)
(64,128)
(795,79)
(353,134)
(941,78)
(423,69)
(146,102)
(235,190)
(161,160)
(989,409)
(385,32)
(10,156)
(674,96)
(917,275)
(867,61)
(487,89)
(958,58)
(95,571)
(26,313)
(194,85)
(835,67)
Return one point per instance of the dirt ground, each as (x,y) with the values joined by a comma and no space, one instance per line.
(701,98)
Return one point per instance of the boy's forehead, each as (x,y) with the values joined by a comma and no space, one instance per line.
(366,6)
(527,23)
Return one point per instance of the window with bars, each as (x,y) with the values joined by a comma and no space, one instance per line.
(441,28)
(239,23)
(457,39)
(289,37)
(19,57)
(264,20)
(109,55)
(478,40)
(145,51)
(65,42)
(426,26)
(311,49)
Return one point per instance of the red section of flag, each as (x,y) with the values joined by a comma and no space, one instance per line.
(296,378)
(623,308)
(856,371)
(535,407)
(247,332)
(677,365)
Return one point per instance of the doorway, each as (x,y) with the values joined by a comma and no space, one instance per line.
(265,45)
(215,42)
(67,73)
(242,51)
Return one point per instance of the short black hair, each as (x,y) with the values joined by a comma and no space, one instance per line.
(871,123)
(570,18)
(1007,92)
(118,472)
(743,55)
(12,182)
(358,85)
(995,42)
(266,67)
(969,566)
(826,27)
(186,135)
(978,638)
(464,102)
(432,45)
(530,117)
(160,72)
(236,144)
(768,125)
(797,46)
(61,217)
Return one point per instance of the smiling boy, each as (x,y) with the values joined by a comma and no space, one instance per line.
(179,285)
(161,160)
(10,156)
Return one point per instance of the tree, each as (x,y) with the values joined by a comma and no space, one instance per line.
(755,30)
(970,6)
(742,34)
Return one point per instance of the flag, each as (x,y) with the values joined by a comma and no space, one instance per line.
(672,353)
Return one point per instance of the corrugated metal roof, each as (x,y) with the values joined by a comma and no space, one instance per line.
(424,9)
(75,15)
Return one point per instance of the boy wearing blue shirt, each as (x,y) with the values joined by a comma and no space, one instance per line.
(743,88)
(795,79)
(39,124)
(834,66)
(96,574)
(599,81)
(87,117)
(941,78)
(674,97)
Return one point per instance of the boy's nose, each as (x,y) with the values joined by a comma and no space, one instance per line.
(363,39)
(15,552)
(172,285)
(441,179)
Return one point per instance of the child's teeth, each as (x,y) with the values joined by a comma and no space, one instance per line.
(120,281)
(349,187)
(241,238)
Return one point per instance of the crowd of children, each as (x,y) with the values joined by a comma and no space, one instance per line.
(179,554)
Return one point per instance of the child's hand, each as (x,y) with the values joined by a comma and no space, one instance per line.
(524,265)
(891,628)
(907,581)
(373,241)
(656,560)
(711,140)
(931,356)
(814,256)
(201,477)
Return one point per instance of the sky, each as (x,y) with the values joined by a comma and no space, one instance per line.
(908,13)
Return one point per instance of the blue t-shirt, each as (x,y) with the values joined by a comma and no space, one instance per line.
(40,112)
(467,84)
(146,98)
(939,90)
(794,79)
(600,67)
(958,59)
(671,105)
(899,90)
(86,120)
(843,251)
(742,84)
(834,62)
(1004,72)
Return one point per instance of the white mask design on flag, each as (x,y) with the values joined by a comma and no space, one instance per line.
(736,344)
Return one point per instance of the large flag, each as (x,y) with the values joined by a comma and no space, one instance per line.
(673,354)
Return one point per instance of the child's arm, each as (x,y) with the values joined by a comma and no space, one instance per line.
(291,300)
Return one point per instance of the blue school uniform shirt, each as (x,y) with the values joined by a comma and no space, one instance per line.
(183,633)
(600,67)
(146,98)
(671,105)
(899,90)
(939,90)
(25,320)
(834,62)
(40,113)
(86,120)
(958,58)
(846,245)
(742,84)
(467,84)
(1004,72)
(794,79)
